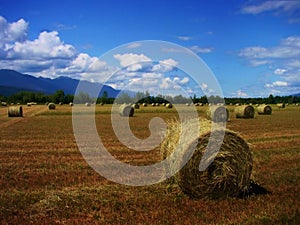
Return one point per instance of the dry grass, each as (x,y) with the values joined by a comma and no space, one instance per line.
(45,180)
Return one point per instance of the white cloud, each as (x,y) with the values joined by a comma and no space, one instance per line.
(281,60)
(277,84)
(165,65)
(47,46)
(280,71)
(288,8)
(12,32)
(48,56)
(134,45)
(185,80)
(241,93)
(196,49)
(184,38)
(131,58)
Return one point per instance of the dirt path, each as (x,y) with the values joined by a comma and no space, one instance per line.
(28,112)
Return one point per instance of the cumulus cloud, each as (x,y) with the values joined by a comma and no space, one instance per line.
(131,58)
(12,32)
(165,65)
(49,56)
(47,46)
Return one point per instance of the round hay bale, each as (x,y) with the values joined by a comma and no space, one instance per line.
(71,104)
(264,110)
(157,104)
(101,103)
(136,106)
(218,114)
(126,110)
(88,104)
(51,106)
(281,105)
(169,105)
(29,104)
(15,111)
(227,176)
(153,104)
(244,111)
(3,104)
(145,104)
(187,104)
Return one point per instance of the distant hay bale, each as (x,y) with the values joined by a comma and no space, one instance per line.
(264,110)
(136,106)
(3,104)
(153,104)
(71,104)
(244,111)
(60,103)
(187,104)
(126,110)
(218,114)
(157,104)
(281,105)
(29,104)
(88,104)
(145,104)
(227,176)
(51,106)
(101,103)
(15,111)
(169,105)
(163,104)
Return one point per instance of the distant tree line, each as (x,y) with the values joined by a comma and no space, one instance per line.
(140,97)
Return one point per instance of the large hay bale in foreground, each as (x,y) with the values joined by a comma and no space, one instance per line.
(126,110)
(244,111)
(264,110)
(51,106)
(227,176)
(218,113)
(15,111)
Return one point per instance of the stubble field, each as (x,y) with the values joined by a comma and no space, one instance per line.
(45,180)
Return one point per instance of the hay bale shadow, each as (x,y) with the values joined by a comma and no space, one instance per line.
(253,188)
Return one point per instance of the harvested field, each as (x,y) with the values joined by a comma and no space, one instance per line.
(45,180)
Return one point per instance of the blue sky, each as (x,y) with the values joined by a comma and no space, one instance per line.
(252,47)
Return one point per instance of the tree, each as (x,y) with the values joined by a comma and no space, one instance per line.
(58,96)
(82,97)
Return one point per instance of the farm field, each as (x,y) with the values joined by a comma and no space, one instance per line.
(45,180)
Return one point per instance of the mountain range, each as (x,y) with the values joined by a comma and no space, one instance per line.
(12,82)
